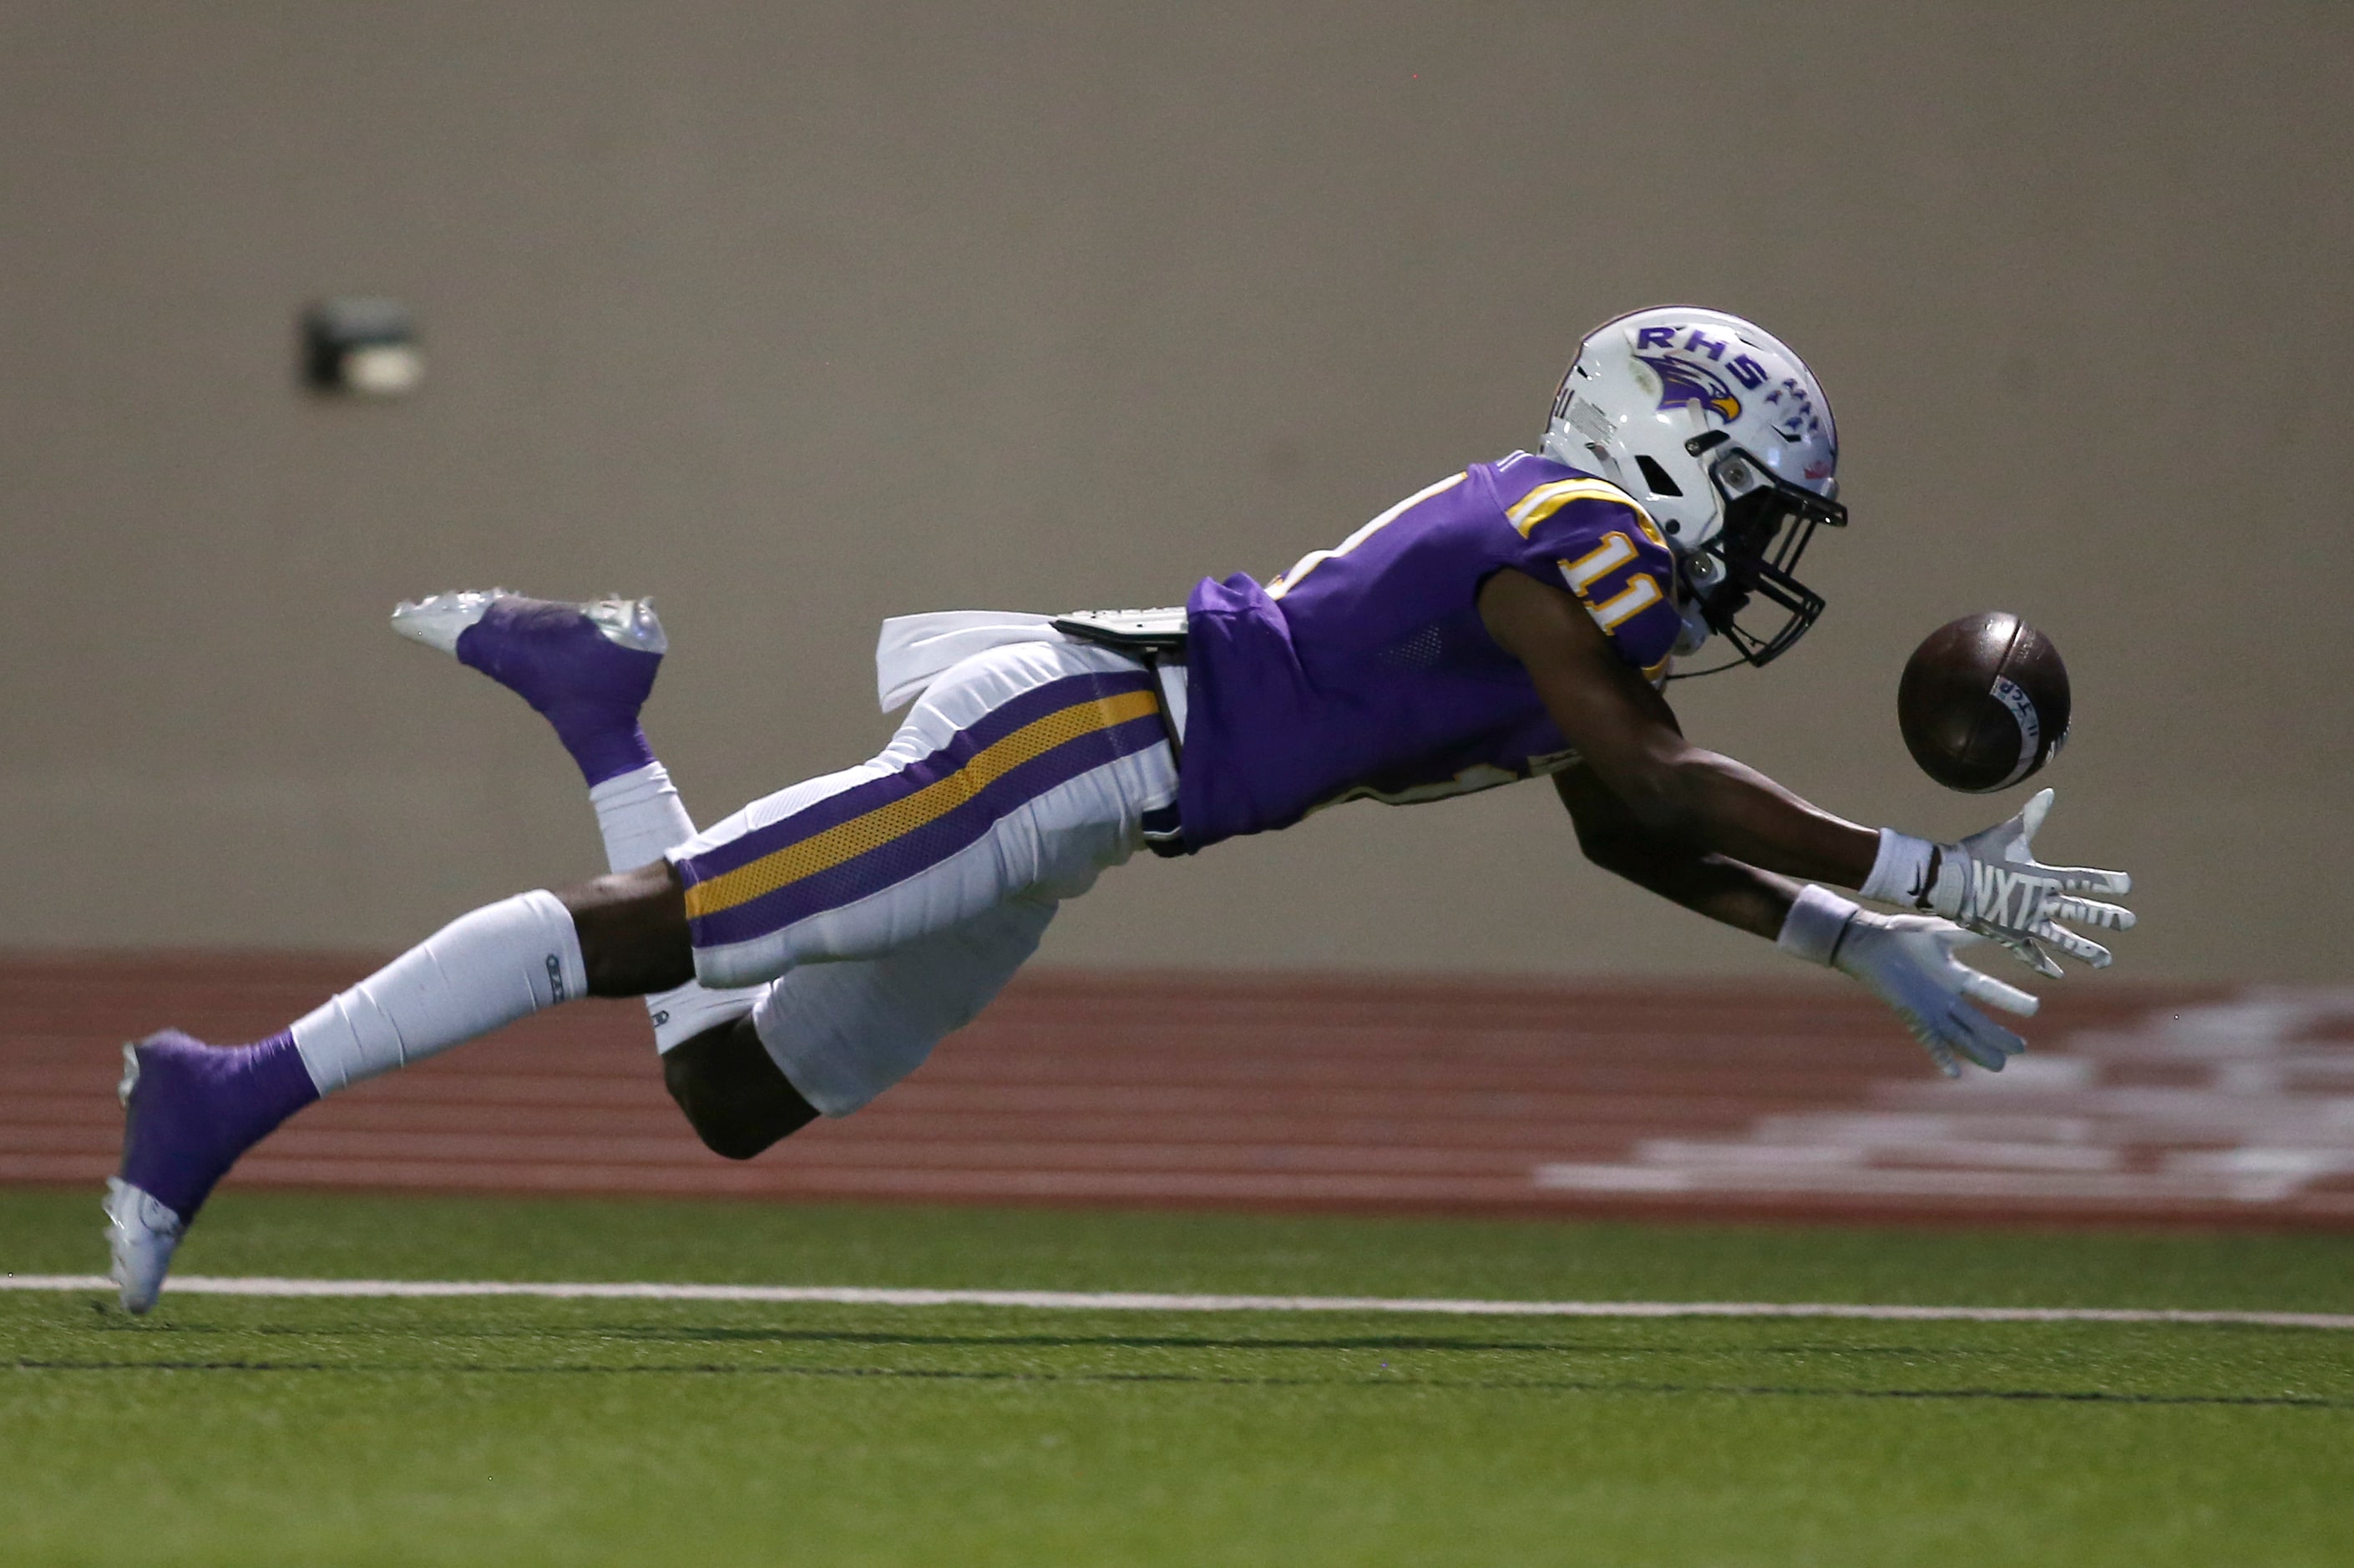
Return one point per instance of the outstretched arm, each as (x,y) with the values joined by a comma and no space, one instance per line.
(1709,884)
(1908,962)
(1989,882)
(1674,792)
(1677,820)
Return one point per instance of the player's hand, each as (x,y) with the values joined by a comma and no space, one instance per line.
(1907,961)
(1993,883)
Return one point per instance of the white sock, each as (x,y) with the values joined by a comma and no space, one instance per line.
(480,972)
(643,819)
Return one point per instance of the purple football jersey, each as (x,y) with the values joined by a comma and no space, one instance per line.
(1365,670)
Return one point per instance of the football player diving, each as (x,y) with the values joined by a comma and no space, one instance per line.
(1515,618)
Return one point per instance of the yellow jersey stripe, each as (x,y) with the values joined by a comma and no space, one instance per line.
(873,830)
(1547,499)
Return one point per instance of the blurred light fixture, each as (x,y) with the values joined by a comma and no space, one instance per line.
(361,345)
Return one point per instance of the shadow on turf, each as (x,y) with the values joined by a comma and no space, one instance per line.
(1039,1341)
(1201,1342)
(1109,1342)
(1559,1385)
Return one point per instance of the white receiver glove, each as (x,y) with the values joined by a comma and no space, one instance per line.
(1993,883)
(1907,961)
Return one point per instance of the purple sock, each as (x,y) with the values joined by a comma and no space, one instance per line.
(196,1107)
(587,688)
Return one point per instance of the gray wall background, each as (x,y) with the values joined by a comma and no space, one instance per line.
(799,316)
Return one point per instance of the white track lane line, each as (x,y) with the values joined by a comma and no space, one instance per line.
(1146,1301)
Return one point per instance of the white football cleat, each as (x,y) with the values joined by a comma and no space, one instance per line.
(438,621)
(142,1233)
(587,668)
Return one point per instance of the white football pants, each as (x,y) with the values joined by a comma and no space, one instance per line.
(893,900)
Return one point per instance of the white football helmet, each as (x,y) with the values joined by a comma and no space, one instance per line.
(1727,438)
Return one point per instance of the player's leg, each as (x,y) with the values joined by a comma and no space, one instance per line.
(829,1038)
(899,896)
(192,1109)
(737,1099)
(1016,779)
(589,669)
(1024,770)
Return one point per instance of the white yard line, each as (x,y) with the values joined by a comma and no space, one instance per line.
(1147,1301)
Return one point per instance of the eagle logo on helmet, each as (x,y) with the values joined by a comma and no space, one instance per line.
(1683,384)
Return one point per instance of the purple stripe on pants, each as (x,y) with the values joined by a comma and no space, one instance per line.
(919,849)
(1027,707)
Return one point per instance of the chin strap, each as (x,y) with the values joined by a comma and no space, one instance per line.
(1696,630)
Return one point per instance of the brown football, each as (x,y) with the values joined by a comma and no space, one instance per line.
(1984,703)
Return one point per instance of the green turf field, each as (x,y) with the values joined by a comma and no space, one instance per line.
(243,1431)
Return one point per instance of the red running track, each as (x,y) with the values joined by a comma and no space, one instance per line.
(1341,1093)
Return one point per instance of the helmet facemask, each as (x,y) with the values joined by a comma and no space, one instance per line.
(1765,524)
